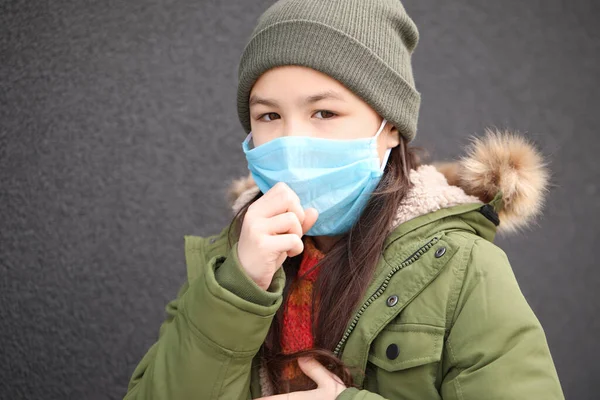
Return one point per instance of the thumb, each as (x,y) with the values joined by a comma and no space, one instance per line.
(314,370)
(310,217)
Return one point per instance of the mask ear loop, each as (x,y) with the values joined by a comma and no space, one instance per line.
(385,159)
(388,152)
(381,128)
(246,141)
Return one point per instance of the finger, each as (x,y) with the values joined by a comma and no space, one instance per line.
(315,371)
(281,198)
(310,217)
(288,243)
(284,223)
(287,200)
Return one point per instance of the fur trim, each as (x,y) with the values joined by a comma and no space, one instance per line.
(241,191)
(430,192)
(500,161)
(503,161)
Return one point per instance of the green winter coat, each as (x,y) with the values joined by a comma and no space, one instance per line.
(443,318)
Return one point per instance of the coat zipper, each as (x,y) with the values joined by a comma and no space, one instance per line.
(414,257)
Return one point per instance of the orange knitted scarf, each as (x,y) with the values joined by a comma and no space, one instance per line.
(297,327)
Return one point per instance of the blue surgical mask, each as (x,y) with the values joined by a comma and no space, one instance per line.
(334,176)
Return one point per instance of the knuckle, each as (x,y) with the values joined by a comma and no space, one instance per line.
(261,244)
(287,192)
(248,222)
(286,196)
(293,196)
(251,209)
(291,218)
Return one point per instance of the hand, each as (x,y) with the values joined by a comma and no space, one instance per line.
(329,385)
(272,230)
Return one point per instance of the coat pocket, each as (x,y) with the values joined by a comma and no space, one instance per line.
(404,361)
(407,345)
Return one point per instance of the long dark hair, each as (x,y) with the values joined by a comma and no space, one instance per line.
(346,271)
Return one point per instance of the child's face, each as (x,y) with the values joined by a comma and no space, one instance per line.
(300,101)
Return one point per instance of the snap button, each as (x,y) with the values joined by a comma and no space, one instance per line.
(392,351)
(212,240)
(440,252)
(392,300)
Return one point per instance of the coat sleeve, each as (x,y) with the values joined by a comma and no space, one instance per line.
(496,347)
(214,328)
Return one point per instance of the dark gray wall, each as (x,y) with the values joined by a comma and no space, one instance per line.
(118,135)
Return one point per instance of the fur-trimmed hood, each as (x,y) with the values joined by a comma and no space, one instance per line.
(499,162)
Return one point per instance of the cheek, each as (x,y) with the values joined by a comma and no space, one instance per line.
(263,135)
(352,127)
(261,141)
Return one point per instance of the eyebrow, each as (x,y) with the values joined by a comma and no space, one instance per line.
(329,94)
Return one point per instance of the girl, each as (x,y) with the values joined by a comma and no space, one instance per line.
(349,270)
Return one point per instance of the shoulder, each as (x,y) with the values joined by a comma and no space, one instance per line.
(478,270)
(480,254)
(480,261)
(487,286)
(485,261)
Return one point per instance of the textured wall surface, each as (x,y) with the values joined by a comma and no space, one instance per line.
(118,135)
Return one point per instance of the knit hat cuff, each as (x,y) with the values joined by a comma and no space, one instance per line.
(335,53)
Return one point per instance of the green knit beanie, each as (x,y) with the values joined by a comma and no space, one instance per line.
(364,44)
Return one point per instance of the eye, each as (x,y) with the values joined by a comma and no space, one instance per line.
(326,114)
(271,116)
